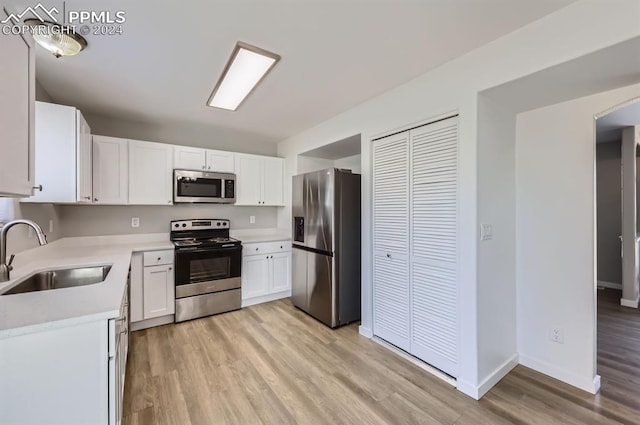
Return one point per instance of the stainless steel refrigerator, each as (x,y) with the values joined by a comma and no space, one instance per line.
(326,245)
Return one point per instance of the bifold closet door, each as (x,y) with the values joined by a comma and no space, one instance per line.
(433,259)
(391,316)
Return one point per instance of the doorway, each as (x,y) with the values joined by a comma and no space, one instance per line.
(618,261)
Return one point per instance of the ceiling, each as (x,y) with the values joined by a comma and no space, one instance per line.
(335,55)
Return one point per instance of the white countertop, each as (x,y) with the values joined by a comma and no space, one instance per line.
(260,235)
(37,311)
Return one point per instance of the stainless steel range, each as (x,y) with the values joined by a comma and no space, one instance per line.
(207,269)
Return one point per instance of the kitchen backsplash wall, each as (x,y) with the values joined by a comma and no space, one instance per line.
(20,237)
(89,220)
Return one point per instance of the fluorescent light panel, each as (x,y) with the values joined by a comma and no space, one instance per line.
(246,68)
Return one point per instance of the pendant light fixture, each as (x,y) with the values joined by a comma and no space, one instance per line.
(60,40)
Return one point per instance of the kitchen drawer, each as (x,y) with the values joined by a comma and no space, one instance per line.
(265,247)
(157,258)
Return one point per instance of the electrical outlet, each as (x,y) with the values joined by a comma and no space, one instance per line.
(486,232)
(252,219)
(135,221)
(556,334)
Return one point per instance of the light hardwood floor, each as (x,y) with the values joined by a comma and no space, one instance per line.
(272,364)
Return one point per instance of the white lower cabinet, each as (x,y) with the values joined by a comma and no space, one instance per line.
(152,289)
(66,375)
(266,272)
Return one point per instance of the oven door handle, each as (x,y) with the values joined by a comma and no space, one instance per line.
(209,249)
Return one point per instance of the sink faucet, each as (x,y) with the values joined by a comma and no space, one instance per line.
(5,268)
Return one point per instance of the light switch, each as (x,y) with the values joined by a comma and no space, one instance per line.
(486,232)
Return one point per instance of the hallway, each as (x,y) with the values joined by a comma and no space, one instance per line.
(618,349)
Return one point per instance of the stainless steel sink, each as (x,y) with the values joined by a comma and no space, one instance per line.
(65,278)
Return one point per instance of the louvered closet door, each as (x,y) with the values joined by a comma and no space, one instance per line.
(434,171)
(391,240)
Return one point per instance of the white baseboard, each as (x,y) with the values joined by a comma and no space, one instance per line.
(365,331)
(150,323)
(422,365)
(590,385)
(610,285)
(266,298)
(629,303)
(478,391)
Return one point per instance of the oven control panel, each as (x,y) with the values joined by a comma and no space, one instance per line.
(200,224)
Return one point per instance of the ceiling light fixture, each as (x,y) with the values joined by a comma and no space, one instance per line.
(247,66)
(58,39)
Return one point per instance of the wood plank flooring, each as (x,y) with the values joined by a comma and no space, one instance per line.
(273,364)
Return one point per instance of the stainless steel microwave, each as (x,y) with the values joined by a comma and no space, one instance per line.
(202,187)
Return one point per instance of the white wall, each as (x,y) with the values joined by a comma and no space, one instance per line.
(178,133)
(91,220)
(497,343)
(555,197)
(353,163)
(578,29)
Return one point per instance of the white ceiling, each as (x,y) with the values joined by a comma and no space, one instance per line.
(335,55)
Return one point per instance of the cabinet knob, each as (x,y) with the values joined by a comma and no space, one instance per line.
(256,249)
(168,202)
(170,268)
(388,255)
(95,199)
(280,246)
(209,168)
(88,198)
(159,258)
(38,187)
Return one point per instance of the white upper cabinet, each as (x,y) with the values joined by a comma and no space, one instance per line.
(63,155)
(110,170)
(17,103)
(259,180)
(273,181)
(84,160)
(150,173)
(220,161)
(188,158)
(248,180)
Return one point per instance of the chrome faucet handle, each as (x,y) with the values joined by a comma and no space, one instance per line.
(9,266)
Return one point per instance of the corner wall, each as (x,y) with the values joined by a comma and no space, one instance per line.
(497,340)
(555,227)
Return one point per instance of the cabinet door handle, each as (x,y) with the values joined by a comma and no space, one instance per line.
(38,187)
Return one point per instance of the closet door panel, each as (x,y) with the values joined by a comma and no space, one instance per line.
(434,203)
(391,317)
